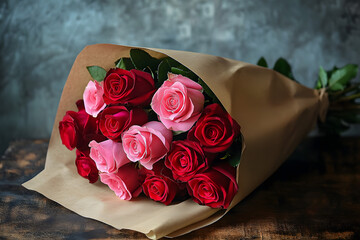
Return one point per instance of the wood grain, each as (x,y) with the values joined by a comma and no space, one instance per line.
(314,195)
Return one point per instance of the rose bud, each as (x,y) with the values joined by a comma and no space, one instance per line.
(93,98)
(69,131)
(108,155)
(159,185)
(114,120)
(215,130)
(132,87)
(178,102)
(147,144)
(185,159)
(86,167)
(126,183)
(215,187)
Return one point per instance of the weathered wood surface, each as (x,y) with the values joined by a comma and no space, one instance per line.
(314,195)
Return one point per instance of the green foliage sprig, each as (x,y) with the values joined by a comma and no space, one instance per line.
(343,93)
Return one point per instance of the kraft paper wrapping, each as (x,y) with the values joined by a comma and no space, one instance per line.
(274,113)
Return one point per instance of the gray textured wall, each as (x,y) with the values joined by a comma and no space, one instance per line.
(40,40)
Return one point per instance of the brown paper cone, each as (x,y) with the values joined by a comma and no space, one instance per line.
(274,113)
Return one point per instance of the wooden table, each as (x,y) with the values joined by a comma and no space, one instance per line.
(315,194)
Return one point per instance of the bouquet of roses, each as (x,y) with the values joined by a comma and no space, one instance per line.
(151,125)
(167,123)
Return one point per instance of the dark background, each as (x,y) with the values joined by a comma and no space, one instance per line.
(40,40)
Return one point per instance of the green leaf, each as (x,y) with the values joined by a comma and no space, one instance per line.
(208,91)
(182,67)
(323,77)
(330,72)
(234,160)
(148,70)
(170,65)
(337,87)
(124,63)
(262,62)
(283,67)
(235,152)
(97,73)
(142,59)
(163,70)
(177,70)
(177,132)
(172,62)
(341,77)
(318,84)
(182,70)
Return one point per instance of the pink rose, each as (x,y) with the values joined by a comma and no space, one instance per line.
(147,144)
(108,155)
(93,98)
(178,102)
(126,183)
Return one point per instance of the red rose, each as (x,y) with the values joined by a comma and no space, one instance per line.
(159,185)
(114,120)
(69,130)
(185,159)
(86,167)
(215,130)
(133,87)
(77,129)
(215,187)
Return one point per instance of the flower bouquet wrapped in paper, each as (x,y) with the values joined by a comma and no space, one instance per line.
(169,141)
